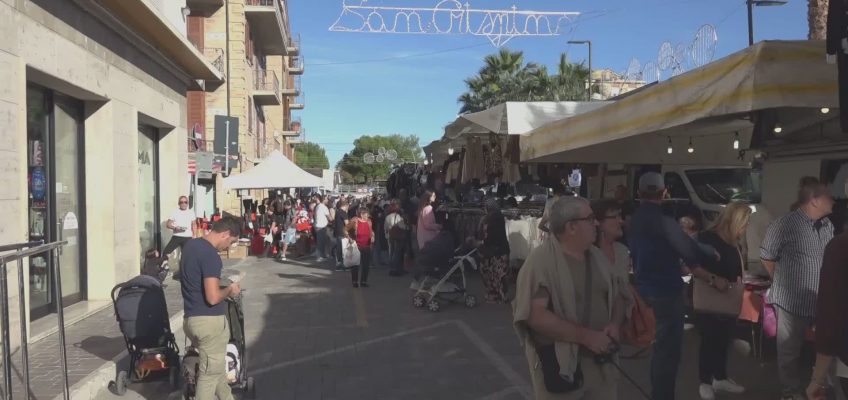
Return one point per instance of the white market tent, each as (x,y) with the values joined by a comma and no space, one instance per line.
(274,171)
(707,107)
(510,118)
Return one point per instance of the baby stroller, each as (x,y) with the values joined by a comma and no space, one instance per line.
(236,356)
(142,316)
(440,274)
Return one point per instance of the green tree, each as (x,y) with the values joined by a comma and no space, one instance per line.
(311,155)
(354,163)
(505,77)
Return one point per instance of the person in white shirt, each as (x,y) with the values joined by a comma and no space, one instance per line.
(183,222)
(322,219)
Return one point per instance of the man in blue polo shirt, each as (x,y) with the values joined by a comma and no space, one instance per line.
(657,244)
(204,301)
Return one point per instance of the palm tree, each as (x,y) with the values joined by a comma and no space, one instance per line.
(504,77)
(817,19)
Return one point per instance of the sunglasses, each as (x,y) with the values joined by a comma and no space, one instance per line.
(183,202)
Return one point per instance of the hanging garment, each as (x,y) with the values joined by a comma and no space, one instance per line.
(474,167)
(511,173)
(495,163)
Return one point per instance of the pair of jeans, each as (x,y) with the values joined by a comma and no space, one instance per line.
(359,273)
(791,330)
(209,335)
(338,249)
(321,241)
(668,312)
(716,334)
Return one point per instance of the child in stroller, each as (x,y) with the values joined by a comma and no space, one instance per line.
(439,273)
(156,266)
(142,316)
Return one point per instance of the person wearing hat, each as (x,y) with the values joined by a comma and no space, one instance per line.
(657,244)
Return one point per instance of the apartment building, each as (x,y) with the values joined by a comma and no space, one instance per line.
(93,130)
(252,41)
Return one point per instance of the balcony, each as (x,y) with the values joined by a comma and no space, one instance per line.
(291,127)
(296,65)
(293,47)
(150,24)
(207,7)
(298,103)
(292,87)
(266,88)
(269,24)
(216,58)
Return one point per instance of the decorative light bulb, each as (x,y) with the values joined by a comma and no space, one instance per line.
(450,151)
(825,110)
(426,162)
(691,149)
(778,128)
(670,149)
(736,141)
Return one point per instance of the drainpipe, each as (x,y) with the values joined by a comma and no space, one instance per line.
(227,38)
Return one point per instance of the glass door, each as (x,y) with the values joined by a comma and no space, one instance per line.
(148,184)
(67,148)
(56,188)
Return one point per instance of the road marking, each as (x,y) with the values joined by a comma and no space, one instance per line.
(519,385)
(359,309)
(314,357)
(502,394)
(495,358)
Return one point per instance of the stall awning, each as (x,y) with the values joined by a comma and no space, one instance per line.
(517,118)
(715,99)
(274,171)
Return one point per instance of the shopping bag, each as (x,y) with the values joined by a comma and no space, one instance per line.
(350,252)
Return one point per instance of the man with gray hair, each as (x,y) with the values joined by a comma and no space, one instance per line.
(567,309)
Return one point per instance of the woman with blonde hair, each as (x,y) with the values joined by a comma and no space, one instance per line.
(722,274)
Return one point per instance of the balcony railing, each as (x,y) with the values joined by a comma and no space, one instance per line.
(293,46)
(296,64)
(280,8)
(298,103)
(216,58)
(264,80)
(292,86)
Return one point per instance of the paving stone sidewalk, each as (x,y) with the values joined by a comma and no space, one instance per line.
(91,343)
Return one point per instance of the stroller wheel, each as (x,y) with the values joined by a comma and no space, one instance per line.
(250,388)
(120,384)
(434,305)
(418,301)
(470,301)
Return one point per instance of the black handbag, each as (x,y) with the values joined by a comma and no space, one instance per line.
(554,381)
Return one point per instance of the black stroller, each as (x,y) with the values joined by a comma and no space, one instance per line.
(440,273)
(142,315)
(236,356)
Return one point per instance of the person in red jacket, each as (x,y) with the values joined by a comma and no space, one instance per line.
(362,232)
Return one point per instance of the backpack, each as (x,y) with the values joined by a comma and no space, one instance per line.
(641,329)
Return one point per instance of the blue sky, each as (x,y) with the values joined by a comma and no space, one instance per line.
(415,91)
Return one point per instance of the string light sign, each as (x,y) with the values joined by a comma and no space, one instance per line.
(451,17)
(673,60)
(382,156)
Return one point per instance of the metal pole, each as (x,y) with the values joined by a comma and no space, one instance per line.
(590,69)
(7,344)
(24,333)
(60,313)
(227,149)
(750,4)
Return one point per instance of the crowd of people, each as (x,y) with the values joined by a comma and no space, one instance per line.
(575,293)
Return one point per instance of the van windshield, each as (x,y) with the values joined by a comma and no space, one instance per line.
(723,185)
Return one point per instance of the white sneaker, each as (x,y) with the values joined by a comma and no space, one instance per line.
(320,259)
(706,392)
(729,386)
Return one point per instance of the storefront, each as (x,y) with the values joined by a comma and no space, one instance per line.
(148,189)
(56,194)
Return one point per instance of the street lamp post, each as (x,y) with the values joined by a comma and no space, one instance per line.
(758,3)
(589,43)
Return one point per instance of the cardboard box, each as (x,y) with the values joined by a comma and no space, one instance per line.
(238,251)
